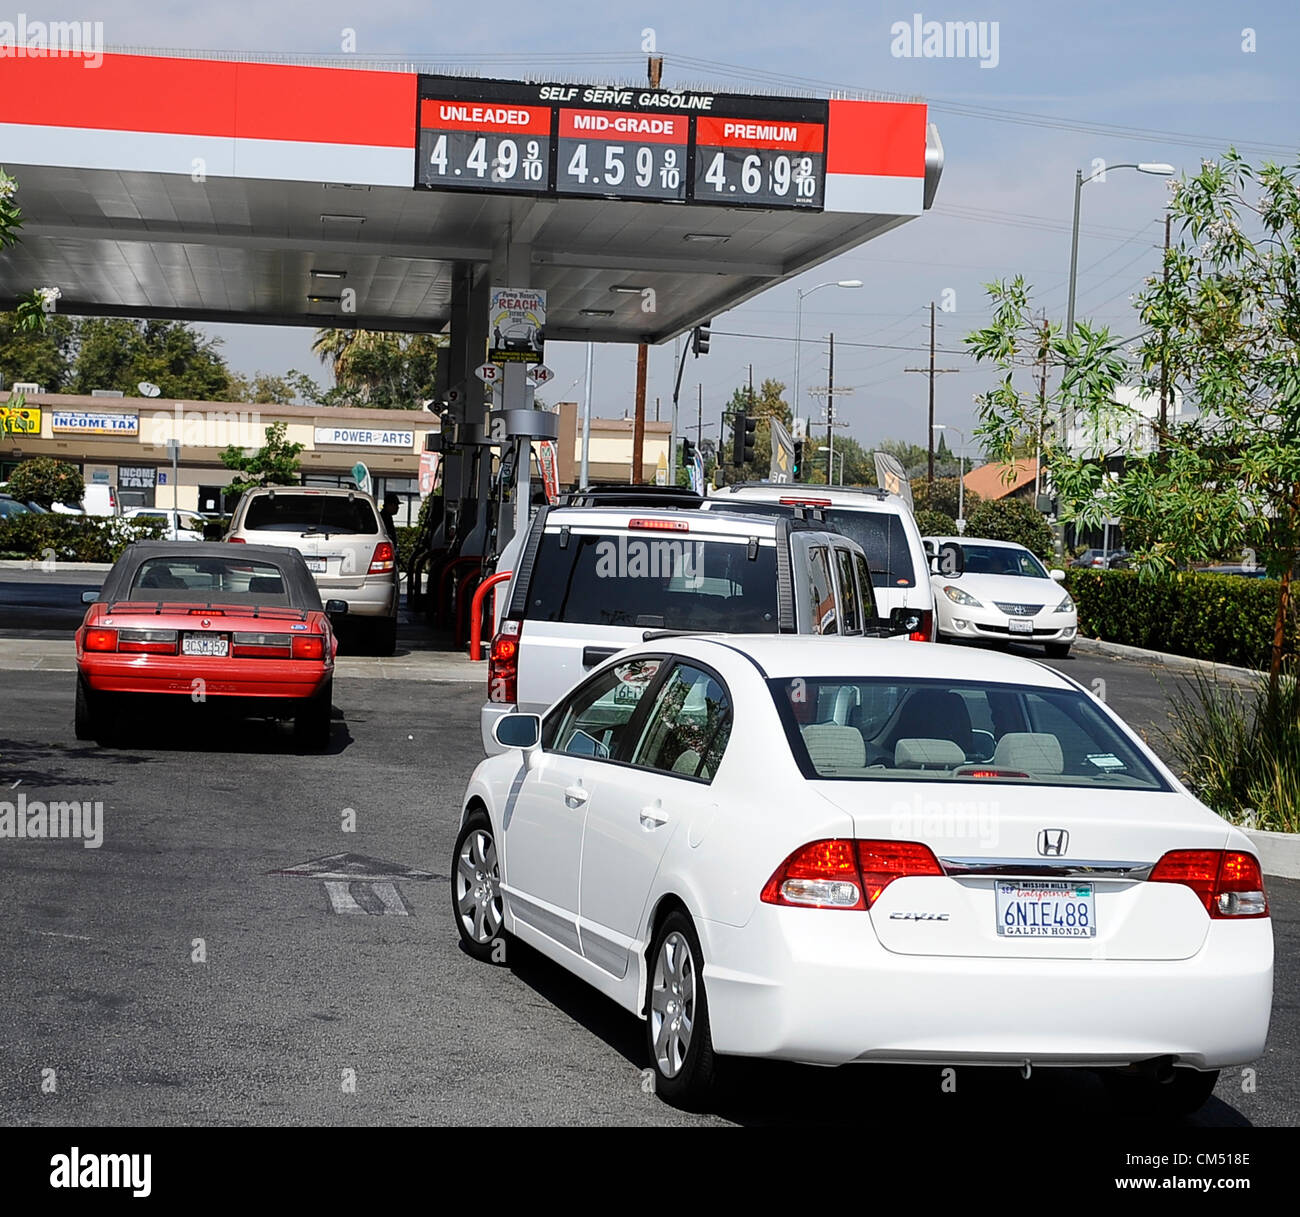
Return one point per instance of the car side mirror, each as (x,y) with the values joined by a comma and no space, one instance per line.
(336,608)
(905,620)
(1058,575)
(522,731)
(949,560)
(89,597)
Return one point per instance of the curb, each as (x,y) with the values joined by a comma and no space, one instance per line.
(1279,852)
(1178,663)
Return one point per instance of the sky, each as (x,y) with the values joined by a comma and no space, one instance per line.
(1142,80)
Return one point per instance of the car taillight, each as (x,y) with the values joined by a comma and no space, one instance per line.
(841,874)
(261,646)
(147,642)
(101,640)
(503,665)
(660,525)
(309,646)
(925,631)
(1228,883)
(237,540)
(382,561)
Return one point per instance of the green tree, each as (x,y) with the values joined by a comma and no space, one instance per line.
(40,356)
(944,496)
(1011,520)
(47,481)
(119,353)
(854,465)
(378,368)
(265,389)
(1222,326)
(935,523)
(274,464)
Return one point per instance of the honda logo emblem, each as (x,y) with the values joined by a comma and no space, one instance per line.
(1053,842)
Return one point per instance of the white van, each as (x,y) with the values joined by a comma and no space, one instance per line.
(100,499)
(878,521)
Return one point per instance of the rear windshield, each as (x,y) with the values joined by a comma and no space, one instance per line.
(873,728)
(324,513)
(209,580)
(880,533)
(655,582)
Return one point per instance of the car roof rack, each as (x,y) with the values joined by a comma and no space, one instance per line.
(622,494)
(812,488)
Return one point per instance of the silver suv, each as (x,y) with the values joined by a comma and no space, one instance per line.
(341,538)
(591,581)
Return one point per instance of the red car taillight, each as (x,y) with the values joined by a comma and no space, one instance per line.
(237,540)
(503,664)
(309,646)
(382,561)
(261,646)
(147,642)
(1228,883)
(840,874)
(925,631)
(101,640)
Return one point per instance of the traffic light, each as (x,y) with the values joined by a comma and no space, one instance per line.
(796,468)
(688,452)
(700,339)
(742,438)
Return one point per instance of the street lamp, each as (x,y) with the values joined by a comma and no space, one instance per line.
(840,454)
(1158,168)
(961,475)
(798,327)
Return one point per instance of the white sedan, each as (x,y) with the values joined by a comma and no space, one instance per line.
(177,525)
(1002,595)
(831,850)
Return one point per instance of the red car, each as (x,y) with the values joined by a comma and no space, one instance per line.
(239,626)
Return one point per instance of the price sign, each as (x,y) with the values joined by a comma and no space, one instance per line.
(767,162)
(484,145)
(637,156)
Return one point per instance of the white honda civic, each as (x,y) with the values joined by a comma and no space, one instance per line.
(832,850)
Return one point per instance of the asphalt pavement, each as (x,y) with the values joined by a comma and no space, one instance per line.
(172,976)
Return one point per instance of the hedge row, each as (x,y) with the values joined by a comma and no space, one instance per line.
(1225,618)
(72,538)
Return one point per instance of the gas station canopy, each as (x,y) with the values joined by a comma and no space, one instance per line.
(226,190)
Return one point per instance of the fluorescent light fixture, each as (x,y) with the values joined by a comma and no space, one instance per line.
(336,218)
(627,289)
(719,238)
(329,274)
(596,312)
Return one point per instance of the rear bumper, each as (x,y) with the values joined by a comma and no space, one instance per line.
(816,986)
(958,621)
(376,597)
(236,678)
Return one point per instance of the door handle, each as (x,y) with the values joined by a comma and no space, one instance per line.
(652,818)
(576,796)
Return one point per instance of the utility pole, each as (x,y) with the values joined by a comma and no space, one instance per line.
(638,426)
(830,417)
(1164,366)
(699,414)
(1042,406)
(931,371)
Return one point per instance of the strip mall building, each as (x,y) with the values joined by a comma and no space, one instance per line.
(122,442)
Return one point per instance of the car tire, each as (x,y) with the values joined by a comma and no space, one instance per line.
(86,716)
(311,725)
(477,905)
(383,636)
(685,1067)
(1057,650)
(1144,1097)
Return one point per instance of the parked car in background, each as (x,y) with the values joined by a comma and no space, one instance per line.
(1242,572)
(179,525)
(1003,595)
(736,839)
(1102,559)
(243,624)
(340,536)
(10,506)
(880,522)
(592,580)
